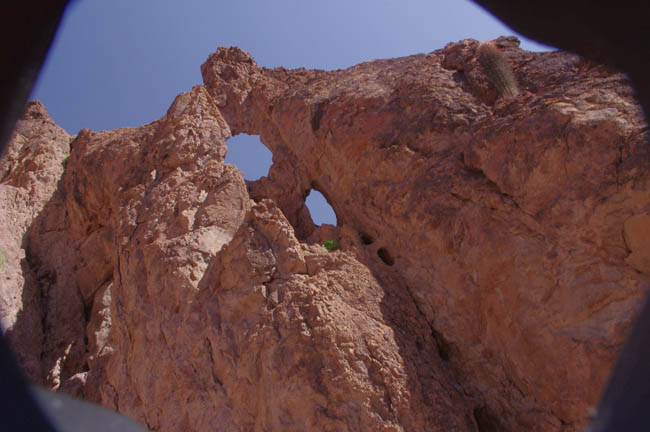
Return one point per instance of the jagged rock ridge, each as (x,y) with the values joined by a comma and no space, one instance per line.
(493,251)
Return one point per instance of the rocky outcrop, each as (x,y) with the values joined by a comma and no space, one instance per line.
(29,173)
(494,251)
(505,220)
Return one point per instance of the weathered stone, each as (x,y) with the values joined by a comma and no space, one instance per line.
(503,218)
(29,172)
(636,231)
(493,251)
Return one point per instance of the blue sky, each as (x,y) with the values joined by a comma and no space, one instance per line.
(117,63)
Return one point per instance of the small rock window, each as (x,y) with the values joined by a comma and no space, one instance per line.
(321,211)
(249,155)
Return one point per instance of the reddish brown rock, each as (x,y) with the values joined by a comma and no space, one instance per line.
(493,250)
(150,207)
(29,172)
(503,218)
(303,339)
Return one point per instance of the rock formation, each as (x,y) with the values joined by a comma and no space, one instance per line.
(494,251)
(29,174)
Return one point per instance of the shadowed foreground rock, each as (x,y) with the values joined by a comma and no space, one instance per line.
(493,251)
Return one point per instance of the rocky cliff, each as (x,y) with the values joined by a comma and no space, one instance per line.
(494,250)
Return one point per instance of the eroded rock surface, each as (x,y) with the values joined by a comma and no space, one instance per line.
(29,173)
(503,218)
(493,251)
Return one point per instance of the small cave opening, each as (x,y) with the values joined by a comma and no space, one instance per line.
(385,256)
(249,155)
(366,239)
(485,420)
(321,211)
(443,346)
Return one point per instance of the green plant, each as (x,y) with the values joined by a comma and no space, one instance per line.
(497,69)
(330,245)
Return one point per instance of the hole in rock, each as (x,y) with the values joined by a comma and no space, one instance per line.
(443,346)
(249,155)
(366,239)
(321,211)
(485,421)
(385,256)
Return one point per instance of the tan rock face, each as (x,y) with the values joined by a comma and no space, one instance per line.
(503,219)
(302,339)
(29,172)
(494,251)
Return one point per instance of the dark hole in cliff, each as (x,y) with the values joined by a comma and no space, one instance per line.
(385,256)
(317,115)
(249,155)
(443,345)
(366,239)
(459,77)
(485,420)
(321,211)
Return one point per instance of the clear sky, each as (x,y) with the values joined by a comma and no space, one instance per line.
(117,63)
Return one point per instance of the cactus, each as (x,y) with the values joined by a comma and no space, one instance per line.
(497,69)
